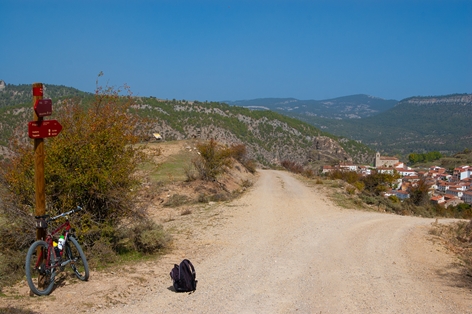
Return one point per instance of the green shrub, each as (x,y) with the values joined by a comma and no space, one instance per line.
(213,160)
(191,173)
(203,198)
(150,237)
(250,165)
(220,197)
(186,211)
(246,183)
(101,253)
(368,199)
(176,200)
(350,190)
(359,185)
(292,166)
(15,310)
(309,173)
(12,263)
(92,162)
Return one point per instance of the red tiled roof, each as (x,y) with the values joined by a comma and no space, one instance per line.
(388,158)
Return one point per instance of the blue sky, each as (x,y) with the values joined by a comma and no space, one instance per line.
(235,50)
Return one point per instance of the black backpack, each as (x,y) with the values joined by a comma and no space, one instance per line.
(183,277)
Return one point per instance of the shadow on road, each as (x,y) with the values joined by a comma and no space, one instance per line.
(456,275)
(14,310)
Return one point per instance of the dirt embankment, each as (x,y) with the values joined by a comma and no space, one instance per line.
(281,248)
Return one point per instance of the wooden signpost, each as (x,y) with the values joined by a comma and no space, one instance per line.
(38,129)
(39,165)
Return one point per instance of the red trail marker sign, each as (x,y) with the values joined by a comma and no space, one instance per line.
(43,107)
(45,128)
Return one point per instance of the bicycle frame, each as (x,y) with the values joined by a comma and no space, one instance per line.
(49,240)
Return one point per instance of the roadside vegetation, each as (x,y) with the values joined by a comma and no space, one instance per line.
(214,159)
(458,239)
(295,167)
(205,170)
(93,163)
(370,190)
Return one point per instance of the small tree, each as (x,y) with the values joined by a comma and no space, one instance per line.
(239,152)
(419,193)
(379,182)
(213,160)
(93,163)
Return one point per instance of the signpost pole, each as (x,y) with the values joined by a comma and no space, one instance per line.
(40,183)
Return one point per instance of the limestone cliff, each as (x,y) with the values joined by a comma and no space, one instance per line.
(328,150)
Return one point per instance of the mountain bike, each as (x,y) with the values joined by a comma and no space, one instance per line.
(45,260)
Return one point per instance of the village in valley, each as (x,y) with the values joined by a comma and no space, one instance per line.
(445,189)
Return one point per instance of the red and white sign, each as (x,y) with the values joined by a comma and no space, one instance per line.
(45,128)
(38,91)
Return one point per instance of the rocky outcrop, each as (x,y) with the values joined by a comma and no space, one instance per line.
(462,99)
(328,150)
(269,138)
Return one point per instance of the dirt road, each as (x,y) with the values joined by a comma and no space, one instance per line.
(285,248)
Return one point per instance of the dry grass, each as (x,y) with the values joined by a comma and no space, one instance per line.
(186,211)
(457,238)
(170,161)
(13,310)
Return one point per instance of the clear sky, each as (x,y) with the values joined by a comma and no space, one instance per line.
(234,50)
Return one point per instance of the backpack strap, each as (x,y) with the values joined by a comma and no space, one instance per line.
(189,264)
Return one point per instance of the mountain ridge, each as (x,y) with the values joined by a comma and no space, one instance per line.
(269,136)
(415,124)
(346,107)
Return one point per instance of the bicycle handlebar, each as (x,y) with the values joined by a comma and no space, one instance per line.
(60,215)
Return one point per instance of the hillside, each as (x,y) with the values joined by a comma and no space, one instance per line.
(347,107)
(11,94)
(270,137)
(415,124)
(461,158)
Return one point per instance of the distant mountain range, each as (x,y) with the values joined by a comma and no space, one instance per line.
(415,124)
(347,107)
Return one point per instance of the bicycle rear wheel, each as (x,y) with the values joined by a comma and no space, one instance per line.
(39,275)
(78,262)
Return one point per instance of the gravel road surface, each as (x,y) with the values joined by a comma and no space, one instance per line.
(285,248)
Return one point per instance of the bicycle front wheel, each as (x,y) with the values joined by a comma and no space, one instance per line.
(39,271)
(77,259)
